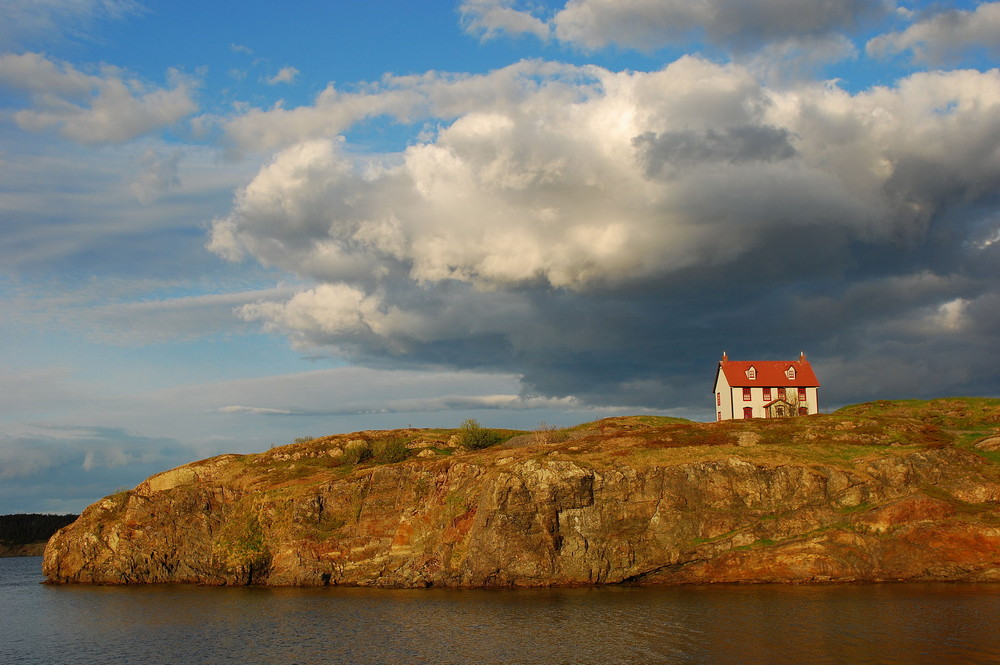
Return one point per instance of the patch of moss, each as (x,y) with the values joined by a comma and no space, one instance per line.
(967,441)
(242,548)
(327,528)
(860,508)
(760,542)
(456,503)
(119,498)
(715,539)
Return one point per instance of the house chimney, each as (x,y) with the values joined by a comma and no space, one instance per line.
(725,358)
(802,356)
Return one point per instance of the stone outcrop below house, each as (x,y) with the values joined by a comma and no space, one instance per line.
(877,492)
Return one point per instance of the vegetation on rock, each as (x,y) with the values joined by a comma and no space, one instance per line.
(390,450)
(475,437)
(357,452)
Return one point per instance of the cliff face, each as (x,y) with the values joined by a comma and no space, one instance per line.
(864,494)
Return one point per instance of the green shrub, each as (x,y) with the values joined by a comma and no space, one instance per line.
(474,436)
(357,452)
(388,451)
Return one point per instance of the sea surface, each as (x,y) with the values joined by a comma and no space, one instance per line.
(944,624)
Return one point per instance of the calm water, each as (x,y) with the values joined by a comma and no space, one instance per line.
(177,625)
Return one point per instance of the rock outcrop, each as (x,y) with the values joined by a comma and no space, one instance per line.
(866,494)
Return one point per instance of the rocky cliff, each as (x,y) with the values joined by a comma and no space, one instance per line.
(882,491)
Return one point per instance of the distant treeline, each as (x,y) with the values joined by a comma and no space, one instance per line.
(25,529)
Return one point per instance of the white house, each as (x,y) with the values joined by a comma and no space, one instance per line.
(765,388)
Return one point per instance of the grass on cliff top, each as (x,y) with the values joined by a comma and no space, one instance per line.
(312,460)
(626,423)
(757,441)
(959,421)
(841,439)
(949,413)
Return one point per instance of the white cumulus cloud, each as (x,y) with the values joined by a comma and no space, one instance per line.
(92,108)
(945,35)
(284,75)
(492,18)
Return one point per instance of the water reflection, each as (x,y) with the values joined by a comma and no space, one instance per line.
(888,624)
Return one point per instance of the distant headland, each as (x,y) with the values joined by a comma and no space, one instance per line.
(882,491)
(26,534)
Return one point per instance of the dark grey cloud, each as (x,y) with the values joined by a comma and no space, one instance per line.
(652,24)
(738,26)
(674,151)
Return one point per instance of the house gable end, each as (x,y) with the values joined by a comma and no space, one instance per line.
(721,382)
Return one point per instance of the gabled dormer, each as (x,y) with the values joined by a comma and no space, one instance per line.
(752,373)
(790,373)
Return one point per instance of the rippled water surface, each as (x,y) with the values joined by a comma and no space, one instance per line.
(947,624)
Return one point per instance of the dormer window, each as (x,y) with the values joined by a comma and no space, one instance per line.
(752,373)
(790,373)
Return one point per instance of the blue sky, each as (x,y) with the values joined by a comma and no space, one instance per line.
(226,225)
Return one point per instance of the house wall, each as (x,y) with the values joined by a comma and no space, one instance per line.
(724,399)
(732,402)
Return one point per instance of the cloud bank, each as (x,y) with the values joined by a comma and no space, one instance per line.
(587,228)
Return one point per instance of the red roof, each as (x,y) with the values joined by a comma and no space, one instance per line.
(770,373)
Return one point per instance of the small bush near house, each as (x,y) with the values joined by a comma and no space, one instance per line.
(389,451)
(474,436)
